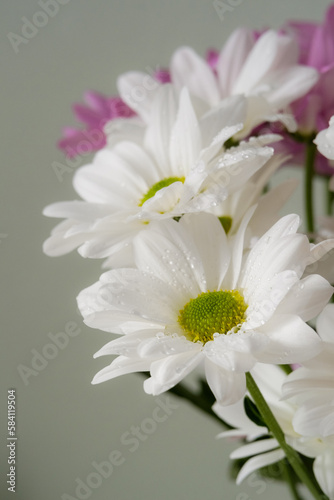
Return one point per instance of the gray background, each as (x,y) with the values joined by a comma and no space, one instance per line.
(64,423)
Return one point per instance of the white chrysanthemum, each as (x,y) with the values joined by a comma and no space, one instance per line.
(193,298)
(266,71)
(312,386)
(180,167)
(263,452)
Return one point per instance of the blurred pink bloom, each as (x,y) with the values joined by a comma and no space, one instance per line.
(162,75)
(97,111)
(211,57)
(313,111)
(94,114)
(316,43)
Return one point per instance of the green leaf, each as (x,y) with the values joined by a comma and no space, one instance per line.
(253,413)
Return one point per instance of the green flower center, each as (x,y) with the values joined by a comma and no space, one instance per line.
(231,143)
(212,312)
(226,222)
(159,185)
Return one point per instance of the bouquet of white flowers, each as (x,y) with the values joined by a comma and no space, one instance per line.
(201,272)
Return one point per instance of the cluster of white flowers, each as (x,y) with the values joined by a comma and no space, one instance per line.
(201,268)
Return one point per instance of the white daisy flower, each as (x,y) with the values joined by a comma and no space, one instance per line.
(263,452)
(181,167)
(266,71)
(312,387)
(192,298)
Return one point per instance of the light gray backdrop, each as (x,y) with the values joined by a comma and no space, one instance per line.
(65,425)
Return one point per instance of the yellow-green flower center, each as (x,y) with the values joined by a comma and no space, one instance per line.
(226,222)
(157,186)
(212,312)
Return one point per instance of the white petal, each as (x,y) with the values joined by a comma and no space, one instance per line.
(232,433)
(59,243)
(77,210)
(120,322)
(277,251)
(166,253)
(291,341)
(126,345)
(270,204)
(162,346)
(257,462)
(264,56)
(254,448)
(232,58)
(138,293)
(235,416)
(325,324)
(227,387)
(136,159)
(270,379)
(325,142)
(289,84)
(323,470)
(169,371)
(306,298)
(185,141)
(124,129)
(121,366)
(157,137)
(116,179)
(234,167)
(235,352)
(318,421)
(106,242)
(123,257)
(211,243)
(238,250)
(138,90)
(229,113)
(307,384)
(190,70)
(321,260)
(209,152)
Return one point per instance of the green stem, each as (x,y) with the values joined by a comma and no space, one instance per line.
(287,474)
(311,151)
(293,457)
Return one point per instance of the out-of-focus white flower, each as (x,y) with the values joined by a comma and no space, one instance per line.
(325,140)
(266,451)
(263,452)
(180,167)
(265,71)
(194,297)
(311,387)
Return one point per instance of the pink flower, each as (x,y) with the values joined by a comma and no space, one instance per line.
(162,75)
(97,111)
(313,111)
(211,57)
(316,43)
